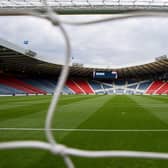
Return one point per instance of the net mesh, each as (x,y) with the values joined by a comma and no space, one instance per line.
(86,3)
(52,145)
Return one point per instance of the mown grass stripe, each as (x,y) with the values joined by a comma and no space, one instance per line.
(122,112)
(157,108)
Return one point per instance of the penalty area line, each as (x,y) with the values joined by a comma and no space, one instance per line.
(85,130)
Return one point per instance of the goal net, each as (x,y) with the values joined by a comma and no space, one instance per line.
(52,145)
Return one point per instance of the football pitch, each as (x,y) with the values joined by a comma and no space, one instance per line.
(91,122)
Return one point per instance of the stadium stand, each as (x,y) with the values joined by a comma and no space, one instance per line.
(25,85)
(67,90)
(154,87)
(132,86)
(163,89)
(119,91)
(16,86)
(106,86)
(84,85)
(13,86)
(73,86)
(95,85)
(5,90)
(23,73)
(20,85)
(129,92)
(42,87)
(144,85)
(120,82)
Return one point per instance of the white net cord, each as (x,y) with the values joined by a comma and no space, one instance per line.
(52,145)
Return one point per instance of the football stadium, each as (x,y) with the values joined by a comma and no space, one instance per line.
(76,116)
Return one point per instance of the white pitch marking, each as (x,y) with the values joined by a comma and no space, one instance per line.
(85,130)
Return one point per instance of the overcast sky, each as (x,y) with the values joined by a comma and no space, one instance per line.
(113,44)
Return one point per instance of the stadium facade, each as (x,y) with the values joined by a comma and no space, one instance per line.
(24,73)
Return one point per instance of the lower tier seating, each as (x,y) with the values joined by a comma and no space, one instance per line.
(13,85)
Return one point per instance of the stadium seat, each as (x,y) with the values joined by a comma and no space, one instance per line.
(95,85)
(144,85)
(20,85)
(85,86)
(154,87)
(163,89)
(6,90)
(74,87)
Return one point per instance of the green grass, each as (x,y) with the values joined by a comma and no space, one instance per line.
(86,112)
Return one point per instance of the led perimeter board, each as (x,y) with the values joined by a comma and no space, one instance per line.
(105,75)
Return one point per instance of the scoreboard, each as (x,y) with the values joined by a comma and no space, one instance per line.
(105,75)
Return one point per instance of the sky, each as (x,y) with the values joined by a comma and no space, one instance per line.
(112,44)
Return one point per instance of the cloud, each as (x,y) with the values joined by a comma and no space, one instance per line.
(116,44)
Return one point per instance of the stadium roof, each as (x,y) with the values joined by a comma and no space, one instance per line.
(83,6)
(14,59)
